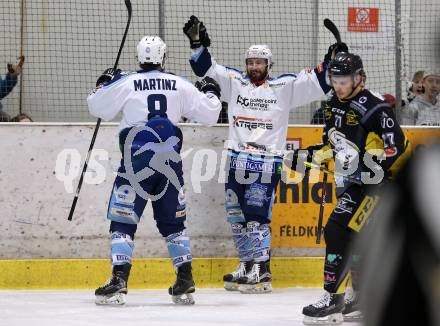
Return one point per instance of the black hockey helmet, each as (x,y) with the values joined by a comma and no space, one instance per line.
(346,64)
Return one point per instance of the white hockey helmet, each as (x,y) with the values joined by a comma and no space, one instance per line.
(259,51)
(152,50)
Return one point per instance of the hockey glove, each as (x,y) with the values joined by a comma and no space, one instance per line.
(333,49)
(107,76)
(196,32)
(208,85)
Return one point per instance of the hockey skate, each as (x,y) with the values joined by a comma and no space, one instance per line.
(351,310)
(115,290)
(327,311)
(183,287)
(257,280)
(231,279)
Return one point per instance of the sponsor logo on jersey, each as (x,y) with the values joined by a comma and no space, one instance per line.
(345,204)
(181,213)
(258,104)
(391,151)
(338,110)
(123,258)
(125,194)
(252,123)
(363,212)
(352,118)
(123,212)
(250,165)
(327,112)
(362,99)
(358,107)
(256,195)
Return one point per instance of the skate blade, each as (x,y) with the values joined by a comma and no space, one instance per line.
(231,286)
(183,299)
(265,287)
(114,300)
(333,319)
(355,316)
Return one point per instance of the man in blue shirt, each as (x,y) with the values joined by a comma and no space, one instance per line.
(10,80)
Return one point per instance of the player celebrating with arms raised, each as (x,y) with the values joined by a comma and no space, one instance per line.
(258,113)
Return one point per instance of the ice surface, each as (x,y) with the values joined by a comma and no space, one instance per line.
(154,307)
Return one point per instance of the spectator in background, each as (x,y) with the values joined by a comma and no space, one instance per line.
(22,117)
(7,84)
(424,110)
(416,87)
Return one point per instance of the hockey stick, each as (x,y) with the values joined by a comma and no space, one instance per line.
(333,29)
(334,173)
(98,123)
(285,154)
(321,207)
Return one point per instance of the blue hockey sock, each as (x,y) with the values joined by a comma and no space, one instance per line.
(260,236)
(242,241)
(122,248)
(178,248)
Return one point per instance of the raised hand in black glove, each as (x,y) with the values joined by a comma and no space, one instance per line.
(196,32)
(208,85)
(107,76)
(333,49)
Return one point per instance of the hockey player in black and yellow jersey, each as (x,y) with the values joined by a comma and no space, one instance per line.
(362,136)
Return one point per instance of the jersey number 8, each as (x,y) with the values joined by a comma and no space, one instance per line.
(157,106)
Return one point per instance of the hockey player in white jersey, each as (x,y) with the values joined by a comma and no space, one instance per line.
(258,113)
(152,102)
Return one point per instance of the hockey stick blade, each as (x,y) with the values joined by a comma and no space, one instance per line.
(333,29)
(98,122)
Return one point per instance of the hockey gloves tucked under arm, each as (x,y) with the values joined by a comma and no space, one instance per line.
(107,76)
(196,32)
(208,85)
(333,49)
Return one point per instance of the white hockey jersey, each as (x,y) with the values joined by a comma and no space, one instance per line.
(259,114)
(139,94)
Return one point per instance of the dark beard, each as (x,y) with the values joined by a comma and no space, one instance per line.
(259,77)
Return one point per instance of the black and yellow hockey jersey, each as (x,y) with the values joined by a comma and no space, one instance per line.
(361,127)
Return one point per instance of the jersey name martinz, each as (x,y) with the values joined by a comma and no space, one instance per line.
(149,84)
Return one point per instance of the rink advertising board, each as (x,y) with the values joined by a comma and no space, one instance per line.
(296,209)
